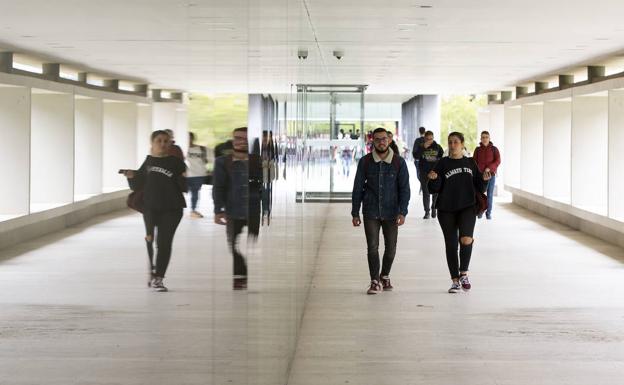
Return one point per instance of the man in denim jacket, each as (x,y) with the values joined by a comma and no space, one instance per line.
(381,187)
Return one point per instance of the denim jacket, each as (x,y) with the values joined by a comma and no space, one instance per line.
(381,187)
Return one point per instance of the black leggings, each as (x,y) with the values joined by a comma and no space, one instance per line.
(234,228)
(455,225)
(166,221)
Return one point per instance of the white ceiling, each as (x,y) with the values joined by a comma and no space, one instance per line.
(395,46)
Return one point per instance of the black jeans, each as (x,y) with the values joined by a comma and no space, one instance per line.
(166,222)
(234,228)
(390,233)
(428,203)
(457,224)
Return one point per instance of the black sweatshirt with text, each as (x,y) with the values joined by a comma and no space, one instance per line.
(457,181)
(162,182)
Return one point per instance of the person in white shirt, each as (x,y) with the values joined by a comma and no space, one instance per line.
(197,158)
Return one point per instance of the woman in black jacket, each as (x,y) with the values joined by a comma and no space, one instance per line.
(456,179)
(161,178)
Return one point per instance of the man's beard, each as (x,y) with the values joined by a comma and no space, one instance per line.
(380,151)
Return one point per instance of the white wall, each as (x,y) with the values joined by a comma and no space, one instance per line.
(532,155)
(15,155)
(557,149)
(616,154)
(171,116)
(144,131)
(88,161)
(513,141)
(120,143)
(52,150)
(590,143)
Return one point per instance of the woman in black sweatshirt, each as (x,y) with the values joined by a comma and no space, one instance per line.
(456,179)
(161,178)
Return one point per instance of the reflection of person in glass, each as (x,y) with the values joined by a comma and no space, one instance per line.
(237,184)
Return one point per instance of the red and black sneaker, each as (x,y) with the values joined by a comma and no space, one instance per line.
(465,283)
(385,283)
(374,288)
(239,283)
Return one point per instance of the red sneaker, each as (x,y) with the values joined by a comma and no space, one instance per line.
(385,283)
(374,288)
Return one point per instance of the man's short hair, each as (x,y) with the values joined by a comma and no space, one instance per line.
(379,130)
(485,133)
(422,130)
(240,129)
(429,133)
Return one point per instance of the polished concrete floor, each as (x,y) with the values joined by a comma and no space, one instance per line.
(546,306)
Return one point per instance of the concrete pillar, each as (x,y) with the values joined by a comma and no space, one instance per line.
(119,143)
(88,159)
(52,150)
(254,118)
(51,71)
(595,72)
(566,81)
(429,115)
(141,89)
(540,87)
(15,155)
(112,84)
(6,62)
(521,91)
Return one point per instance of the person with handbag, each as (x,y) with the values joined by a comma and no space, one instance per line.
(457,179)
(488,159)
(162,180)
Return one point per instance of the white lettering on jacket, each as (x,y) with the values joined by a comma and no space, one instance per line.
(161,170)
(458,170)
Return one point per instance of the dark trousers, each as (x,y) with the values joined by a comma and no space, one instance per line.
(457,224)
(428,202)
(165,222)
(194,185)
(490,195)
(390,233)
(234,228)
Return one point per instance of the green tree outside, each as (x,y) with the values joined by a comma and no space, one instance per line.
(213,117)
(459,113)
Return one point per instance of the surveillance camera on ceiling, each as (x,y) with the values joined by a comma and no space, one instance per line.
(302,54)
(338,54)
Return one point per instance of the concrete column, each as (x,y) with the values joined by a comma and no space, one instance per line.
(15,155)
(52,150)
(616,155)
(540,87)
(254,118)
(51,71)
(112,84)
(521,91)
(595,72)
(590,124)
(88,162)
(429,115)
(119,143)
(6,62)
(566,81)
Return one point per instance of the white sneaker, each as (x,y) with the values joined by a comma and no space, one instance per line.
(455,287)
(196,214)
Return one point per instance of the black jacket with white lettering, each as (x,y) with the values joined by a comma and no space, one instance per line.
(457,181)
(162,182)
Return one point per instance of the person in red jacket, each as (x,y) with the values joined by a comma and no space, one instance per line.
(488,159)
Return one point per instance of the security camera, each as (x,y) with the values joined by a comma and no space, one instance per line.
(338,54)
(302,54)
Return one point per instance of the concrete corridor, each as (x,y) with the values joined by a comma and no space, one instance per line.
(546,308)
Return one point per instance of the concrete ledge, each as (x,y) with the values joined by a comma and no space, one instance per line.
(593,224)
(15,231)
